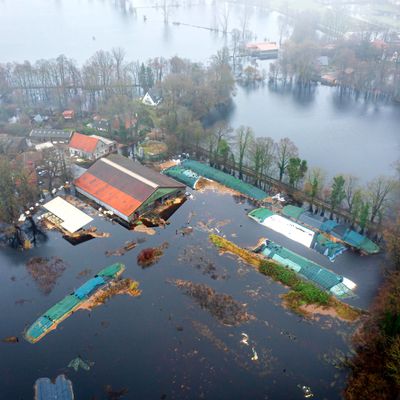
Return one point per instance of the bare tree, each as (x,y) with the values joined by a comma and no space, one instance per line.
(244,136)
(285,150)
(224,17)
(378,193)
(262,157)
(350,187)
(314,184)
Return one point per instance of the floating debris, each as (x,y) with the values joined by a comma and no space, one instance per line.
(45,271)
(306,391)
(78,363)
(196,256)
(122,250)
(221,306)
(245,339)
(255,355)
(186,230)
(85,272)
(115,394)
(265,360)
(21,302)
(120,286)
(151,255)
(10,339)
(144,229)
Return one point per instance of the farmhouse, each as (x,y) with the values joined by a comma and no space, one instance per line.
(91,147)
(126,187)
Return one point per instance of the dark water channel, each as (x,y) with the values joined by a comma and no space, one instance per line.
(162,344)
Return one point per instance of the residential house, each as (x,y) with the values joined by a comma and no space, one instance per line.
(152,98)
(91,147)
(50,135)
(126,187)
(263,50)
(68,114)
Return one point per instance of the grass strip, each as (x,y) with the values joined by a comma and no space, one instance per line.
(302,293)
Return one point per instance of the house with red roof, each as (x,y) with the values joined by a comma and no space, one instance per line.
(90,147)
(126,187)
(68,114)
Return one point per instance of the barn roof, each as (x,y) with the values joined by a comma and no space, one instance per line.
(122,184)
(84,143)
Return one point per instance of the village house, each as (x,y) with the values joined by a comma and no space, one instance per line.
(152,98)
(262,50)
(126,187)
(90,147)
(50,135)
(68,114)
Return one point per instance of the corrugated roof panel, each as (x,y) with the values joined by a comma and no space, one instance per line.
(108,194)
(121,181)
(136,167)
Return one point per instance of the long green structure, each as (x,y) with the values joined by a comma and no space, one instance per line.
(225,179)
(64,308)
(338,231)
(323,277)
(183,175)
(297,232)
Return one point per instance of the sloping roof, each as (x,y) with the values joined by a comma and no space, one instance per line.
(50,133)
(122,184)
(73,218)
(156,178)
(84,143)
(262,46)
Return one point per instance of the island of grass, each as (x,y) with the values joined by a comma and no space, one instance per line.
(304,297)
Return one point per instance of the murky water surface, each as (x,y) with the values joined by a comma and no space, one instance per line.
(163,344)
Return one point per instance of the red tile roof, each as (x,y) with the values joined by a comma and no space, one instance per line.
(84,143)
(108,194)
(68,114)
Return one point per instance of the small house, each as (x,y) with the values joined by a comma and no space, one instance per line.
(91,147)
(152,98)
(126,187)
(262,50)
(68,114)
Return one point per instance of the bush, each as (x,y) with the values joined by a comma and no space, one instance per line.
(311,293)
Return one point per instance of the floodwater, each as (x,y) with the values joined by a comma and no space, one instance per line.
(335,133)
(163,345)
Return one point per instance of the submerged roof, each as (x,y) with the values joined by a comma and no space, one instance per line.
(61,389)
(73,218)
(122,184)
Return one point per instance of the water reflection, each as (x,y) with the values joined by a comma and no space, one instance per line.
(304,95)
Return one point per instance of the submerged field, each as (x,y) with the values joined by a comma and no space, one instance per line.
(183,337)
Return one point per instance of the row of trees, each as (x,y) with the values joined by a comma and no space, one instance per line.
(360,65)
(280,160)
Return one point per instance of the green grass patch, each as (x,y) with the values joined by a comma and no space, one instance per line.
(302,292)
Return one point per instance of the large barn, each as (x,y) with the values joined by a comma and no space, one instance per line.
(126,187)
